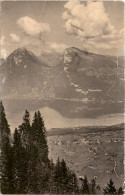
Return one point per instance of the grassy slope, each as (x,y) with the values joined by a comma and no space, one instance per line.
(94,153)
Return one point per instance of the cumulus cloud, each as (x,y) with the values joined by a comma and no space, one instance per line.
(57,47)
(91,24)
(15,38)
(3,53)
(2,38)
(33,28)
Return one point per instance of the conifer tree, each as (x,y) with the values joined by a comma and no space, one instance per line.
(19,164)
(120,191)
(63,171)
(85,186)
(39,136)
(26,167)
(6,154)
(38,171)
(25,132)
(16,161)
(72,182)
(32,185)
(51,183)
(65,179)
(57,176)
(93,186)
(110,188)
(64,176)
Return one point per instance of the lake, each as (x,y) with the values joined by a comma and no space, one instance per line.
(53,119)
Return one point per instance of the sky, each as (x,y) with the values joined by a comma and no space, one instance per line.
(51,26)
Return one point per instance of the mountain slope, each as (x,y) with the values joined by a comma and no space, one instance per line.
(95,80)
(85,84)
(22,74)
(85,75)
(93,75)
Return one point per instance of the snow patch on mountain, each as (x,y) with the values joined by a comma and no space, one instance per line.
(17,60)
(25,66)
(67,61)
(94,90)
(76,86)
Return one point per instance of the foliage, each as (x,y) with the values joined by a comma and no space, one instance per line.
(120,191)
(85,186)
(6,153)
(110,188)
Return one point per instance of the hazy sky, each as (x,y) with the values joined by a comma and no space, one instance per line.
(53,26)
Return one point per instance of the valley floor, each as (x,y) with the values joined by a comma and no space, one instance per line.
(98,154)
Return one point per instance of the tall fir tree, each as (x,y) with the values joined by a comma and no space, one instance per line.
(65,179)
(72,183)
(110,188)
(25,133)
(19,164)
(38,172)
(85,186)
(6,154)
(51,182)
(39,136)
(64,176)
(93,186)
(57,176)
(120,191)
(32,171)
(25,130)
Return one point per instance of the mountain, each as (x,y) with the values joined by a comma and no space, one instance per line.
(22,73)
(52,59)
(77,83)
(1,61)
(90,75)
(93,83)
(85,129)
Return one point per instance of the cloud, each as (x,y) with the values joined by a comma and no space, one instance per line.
(37,47)
(91,24)
(33,28)
(2,38)
(57,47)
(15,38)
(3,53)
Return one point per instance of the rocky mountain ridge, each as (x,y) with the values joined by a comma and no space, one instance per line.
(96,81)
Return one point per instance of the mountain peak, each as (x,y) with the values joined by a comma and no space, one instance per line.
(20,57)
(20,50)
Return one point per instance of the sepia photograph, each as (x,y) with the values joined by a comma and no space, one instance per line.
(62,97)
